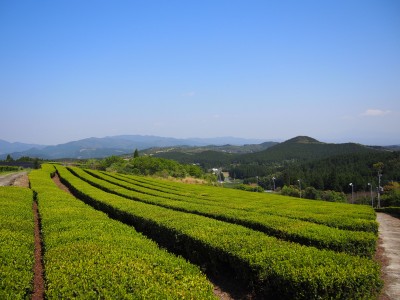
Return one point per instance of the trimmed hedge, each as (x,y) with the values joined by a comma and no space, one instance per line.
(17,243)
(274,268)
(338,215)
(88,255)
(305,233)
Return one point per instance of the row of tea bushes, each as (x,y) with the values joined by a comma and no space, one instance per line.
(274,268)
(90,256)
(337,215)
(16,243)
(306,233)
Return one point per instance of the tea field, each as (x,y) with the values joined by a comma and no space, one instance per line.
(135,237)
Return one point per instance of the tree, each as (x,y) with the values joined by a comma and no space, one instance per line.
(378,167)
(311,193)
(136,153)
(36,164)
(392,194)
(108,161)
(290,191)
(9,158)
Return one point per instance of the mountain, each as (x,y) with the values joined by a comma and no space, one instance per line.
(302,140)
(303,148)
(7,147)
(295,150)
(114,145)
(228,148)
(393,147)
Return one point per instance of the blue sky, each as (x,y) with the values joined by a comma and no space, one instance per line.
(258,69)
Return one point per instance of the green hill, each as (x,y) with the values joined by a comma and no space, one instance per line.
(321,165)
(303,148)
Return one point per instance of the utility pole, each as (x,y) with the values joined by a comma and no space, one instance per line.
(379,188)
(352,193)
(372,198)
(257,184)
(299,186)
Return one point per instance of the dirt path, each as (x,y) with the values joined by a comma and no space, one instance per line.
(389,236)
(18,179)
(38,279)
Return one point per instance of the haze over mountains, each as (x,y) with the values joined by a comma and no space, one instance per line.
(112,145)
(184,149)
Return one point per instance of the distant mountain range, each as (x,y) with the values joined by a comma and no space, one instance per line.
(186,150)
(112,145)
(7,147)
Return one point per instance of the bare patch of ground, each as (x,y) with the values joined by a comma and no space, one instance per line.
(22,181)
(16,179)
(388,253)
(58,183)
(38,279)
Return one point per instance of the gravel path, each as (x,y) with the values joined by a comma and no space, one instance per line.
(389,234)
(19,179)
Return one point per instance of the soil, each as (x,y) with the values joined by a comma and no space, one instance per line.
(21,179)
(58,182)
(16,179)
(388,254)
(38,278)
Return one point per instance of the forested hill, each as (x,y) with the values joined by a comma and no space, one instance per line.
(298,149)
(303,148)
(319,165)
(336,172)
(207,159)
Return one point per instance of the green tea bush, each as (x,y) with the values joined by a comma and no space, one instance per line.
(89,256)
(274,268)
(16,243)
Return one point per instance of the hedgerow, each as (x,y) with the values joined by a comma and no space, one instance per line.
(274,268)
(16,243)
(88,255)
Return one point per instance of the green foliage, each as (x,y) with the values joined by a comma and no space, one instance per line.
(285,228)
(207,159)
(9,168)
(275,268)
(333,196)
(90,256)
(322,166)
(136,153)
(292,191)
(336,172)
(17,243)
(391,196)
(312,193)
(145,165)
(111,161)
(249,188)
(342,216)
